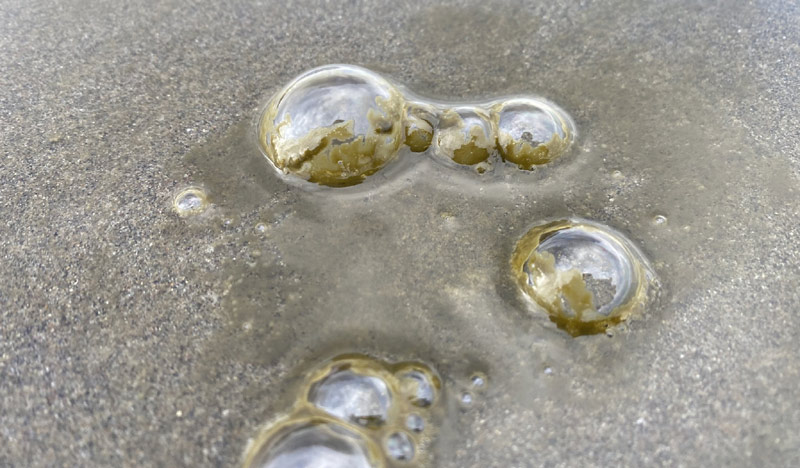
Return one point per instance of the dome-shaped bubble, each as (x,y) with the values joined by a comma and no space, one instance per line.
(190,201)
(418,386)
(421,119)
(353,397)
(465,135)
(314,444)
(333,125)
(531,131)
(399,446)
(586,276)
(415,423)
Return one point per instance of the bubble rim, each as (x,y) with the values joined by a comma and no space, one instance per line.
(489,108)
(304,410)
(198,191)
(642,275)
(268,112)
(265,438)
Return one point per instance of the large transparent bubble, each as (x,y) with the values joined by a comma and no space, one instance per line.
(586,276)
(333,125)
(350,396)
(314,444)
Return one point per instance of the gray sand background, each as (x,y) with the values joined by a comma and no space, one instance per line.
(130,336)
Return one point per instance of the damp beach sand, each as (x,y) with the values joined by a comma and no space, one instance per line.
(144,325)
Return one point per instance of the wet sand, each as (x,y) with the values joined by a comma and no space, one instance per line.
(131,336)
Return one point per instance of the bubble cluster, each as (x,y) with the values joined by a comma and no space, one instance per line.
(338,124)
(355,412)
(587,277)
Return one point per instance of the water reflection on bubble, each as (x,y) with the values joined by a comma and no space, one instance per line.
(415,423)
(190,201)
(347,415)
(361,399)
(333,125)
(531,132)
(400,447)
(465,135)
(418,387)
(314,444)
(586,276)
(421,119)
(338,124)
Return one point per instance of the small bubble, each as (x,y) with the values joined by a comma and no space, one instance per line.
(415,423)
(548,370)
(466,398)
(400,447)
(261,227)
(465,135)
(419,388)
(478,380)
(190,201)
(659,220)
(531,131)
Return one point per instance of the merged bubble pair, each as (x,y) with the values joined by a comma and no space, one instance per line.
(355,412)
(338,124)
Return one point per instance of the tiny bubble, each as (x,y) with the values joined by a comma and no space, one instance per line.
(190,201)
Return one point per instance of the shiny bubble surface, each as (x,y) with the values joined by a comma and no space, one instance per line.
(421,119)
(415,423)
(586,276)
(354,397)
(314,444)
(399,446)
(478,380)
(333,125)
(355,411)
(418,387)
(465,135)
(190,201)
(531,132)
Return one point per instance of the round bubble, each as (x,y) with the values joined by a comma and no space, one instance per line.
(478,380)
(420,122)
(415,423)
(190,201)
(333,125)
(465,135)
(314,444)
(400,446)
(418,387)
(586,276)
(353,397)
(531,131)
